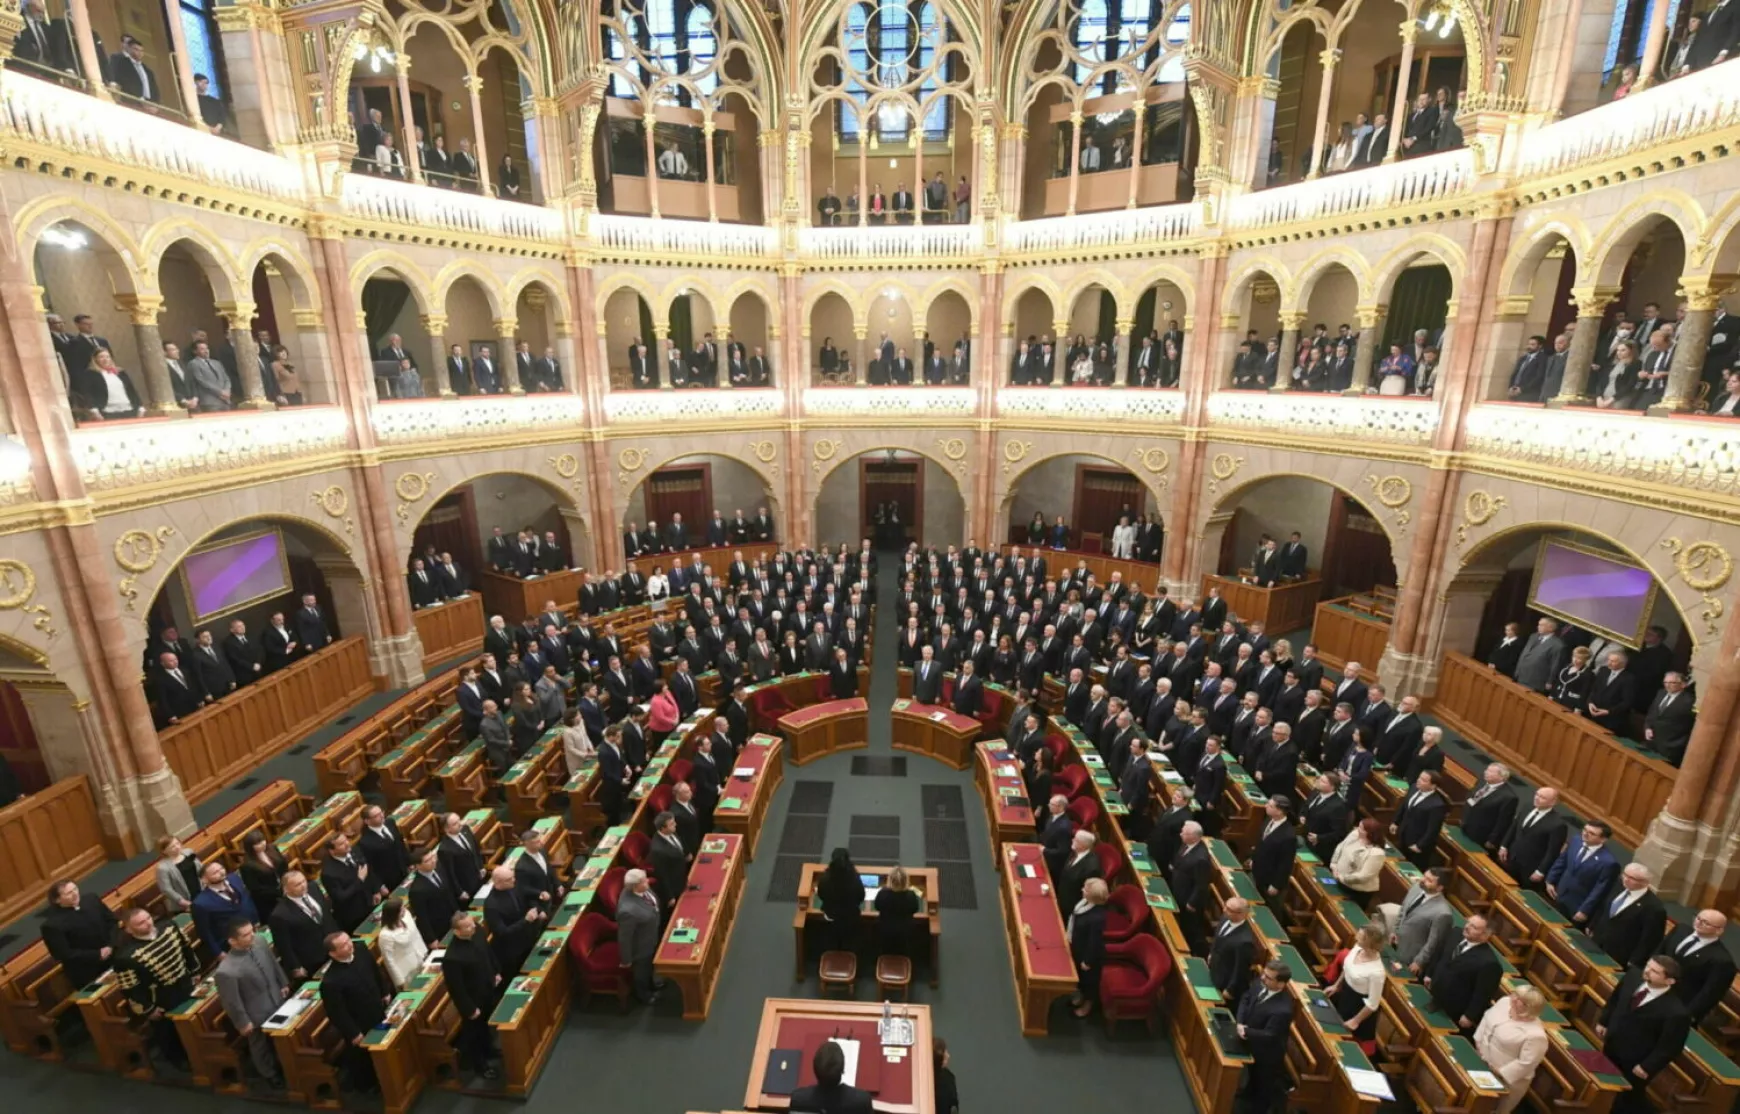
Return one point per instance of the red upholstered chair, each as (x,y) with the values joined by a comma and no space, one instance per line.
(1084,812)
(659,799)
(1062,754)
(1111,861)
(947,699)
(1130,980)
(678,770)
(637,850)
(991,709)
(610,891)
(767,706)
(597,960)
(1126,914)
(1071,781)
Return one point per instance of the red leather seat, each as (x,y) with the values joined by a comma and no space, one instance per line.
(990,709)
(678,770)
(610,891)
(1085,813)
(1062,754)
(636,850)
(592,945)
(1071,781)
(1130,981)
(767,706)
(1126,914)
(1111,861)
(659,800)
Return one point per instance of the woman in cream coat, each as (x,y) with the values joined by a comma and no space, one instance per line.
(1358,861)
(402,947)
(1512,1040)
(177,875)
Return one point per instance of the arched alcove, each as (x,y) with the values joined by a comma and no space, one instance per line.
(1159,320)
(1090,492)
(891,324)
(397,320)
(932,507)
(832,324)
(1347,545)
(471,316)
(1035,318)
(628,326)
(81,273)
(948,329)
(695,486)
(464,519)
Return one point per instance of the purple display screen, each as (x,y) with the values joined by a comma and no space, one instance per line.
(1599,593)
(231,574)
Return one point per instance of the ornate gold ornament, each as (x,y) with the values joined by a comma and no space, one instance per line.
(17,588)
(567,465)
(954,448)
(411,487)
(824,450)
(1014,452)
(1704,566)
(1222,468)
(1154,460)
(1393,492)
(1479,508)
(631,460)
(764,451)
(137,552)
(335,502)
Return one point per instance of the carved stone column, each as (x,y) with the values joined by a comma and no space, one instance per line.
(861,368)
(1126,347)
(1012,154)
(1653,46)
(1060,369)
(506,330)
(159,388)
(1226,350)
(86,48)
(1399,110)
(474,85)
(1371,320)
(712,199)
(413,157)
(1291,323)
(1075,148)
(1325,91)
(1690,344)
(1592,303)
(436,326)
(240,317)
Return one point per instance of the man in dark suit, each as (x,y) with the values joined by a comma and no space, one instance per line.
(484,373)
(1667,726)
(513,921)
(245,655)
(1489,811)
(45,41)
(1612,694)
(1265,1018)
(354,991)
(460,857)
(300,923)
(474,981)
(1706,967)
(1191,886)
(1271,861)
(927,678)
(79,931)
(432,896)
(1232,950)
(1643,1027)
(969,691)
(178,690)
(1504,656)
(211,668)
(1582,875)
(1630,925)
(383,849)
(1464,977)
(1325,816)
(670,861)
(458,370)
(1422,125)
(1419,820)
(829,1094)
(311,629)
(129,73)
(349,881)
(1532,845)
(1080,865)
(424,587)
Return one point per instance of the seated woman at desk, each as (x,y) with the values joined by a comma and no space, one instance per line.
(897,904)
(1358,990)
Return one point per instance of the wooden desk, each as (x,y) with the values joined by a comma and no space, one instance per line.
(529,1017)
(308,1050)
(1007,808)
(513,598)
(935,732)
(50,834)
(1597,773)
(1213,1075)
(1038,947)
(1285,607)
(451,629)
(402,1060)
(770,699)
(900,1086)
(748,791)
(1342,634)
(304,842)
(822,729)
(1144,573)
(464,778)
(402,773)
(808,918)
(708,908)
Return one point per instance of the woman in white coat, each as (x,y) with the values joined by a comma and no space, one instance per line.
(1124,539)
(402,947)
(1512,1040)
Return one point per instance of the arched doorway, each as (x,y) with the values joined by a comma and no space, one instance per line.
(833,325)
(891,324)
(629,328)
(1035,319)
(1093,336)
(397,320)
(1346,544)
(1541,281)
(537,316)
(1091,494)
(1257,300)
(82,274)
(464,521)
(285,316)
(1159,321)
(472,311)
(948,330)
(749,323)
(695,487)
(1644,263)
(930,508)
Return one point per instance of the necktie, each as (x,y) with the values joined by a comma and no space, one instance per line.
(310,907)
(1686,948)
(1619,901)
(1415,903)
(1637,999)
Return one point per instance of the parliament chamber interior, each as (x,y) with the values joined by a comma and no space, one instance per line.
(1143,609)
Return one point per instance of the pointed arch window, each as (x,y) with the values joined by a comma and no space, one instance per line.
(676,36)
(892,45)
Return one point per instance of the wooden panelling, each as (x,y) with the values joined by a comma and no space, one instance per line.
(1059,561)
(1283,608)
(226,739)
(1342,634)
(47,835)
(1598,775)
(451,629)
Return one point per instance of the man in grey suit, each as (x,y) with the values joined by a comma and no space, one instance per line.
(211,382)
(251,985)
(637,933)
(497,743)
(552,696)
(1538,667)
(1422,922)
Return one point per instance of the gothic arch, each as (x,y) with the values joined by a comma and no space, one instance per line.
(1297,295)
(628,280)
(1387,270)
(1613,248)
(463,268)
(213,257)
(128,271)
(852,297)
(1519,267)
(1154,483)
(415,279)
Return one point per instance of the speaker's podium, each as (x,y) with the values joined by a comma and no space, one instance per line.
(899,1075)
(1288,606)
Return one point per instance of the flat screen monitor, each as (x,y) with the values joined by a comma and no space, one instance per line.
(229,575)
(1597,591)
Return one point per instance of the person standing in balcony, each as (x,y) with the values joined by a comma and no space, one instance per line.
(963,201)
(212,111)
(1376,144)
(464,166)
(211,383)
(438,164)
(1426,373)
(1526,377)
(1718,37)
(44,42)
(1422,127)
(129,73)
(1449,136)
(1396,373)
(458,370)
(104,392)
(508,178)
(483,372)
(828,208)
(936,198)
(1620,387)
(902,204)
(1341,155)
(878,205)
(388,163)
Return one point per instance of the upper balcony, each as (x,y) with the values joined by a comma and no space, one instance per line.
(1151,227)
(1384,192)
(418,209)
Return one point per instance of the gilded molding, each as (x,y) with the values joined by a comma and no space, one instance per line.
(1393,492)
(137,552)
(17,589)
(1478,508)
(411,487)
(335,502)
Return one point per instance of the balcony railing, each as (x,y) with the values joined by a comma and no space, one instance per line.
(1699,102)
(1403,183)
(888,402)
(1155,224)
(404,203)
(901,241)
(1410,421)
(43,112)
(654,407)
(643,235)
(397,423)
(114,455)
(1702,454)
(1104,406)
(16,483)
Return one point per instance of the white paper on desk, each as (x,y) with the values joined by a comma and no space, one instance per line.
(1486,1081)
(743,771)
(1371,1084)
(850,1049)
(289,1011)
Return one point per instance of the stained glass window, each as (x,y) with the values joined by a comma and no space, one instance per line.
(894,43)
(701,45)
(202,45)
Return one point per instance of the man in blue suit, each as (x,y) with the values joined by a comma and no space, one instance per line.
(1583,874)
(221,899)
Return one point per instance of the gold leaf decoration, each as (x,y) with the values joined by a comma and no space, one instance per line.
(17,589)
(1393,492)
(1016,451)
(335,502)
(1704,566)
(631,460)
(764,451)
(1223,467)
(954,448)
(567,465)
(1154,460)
(1479,508)
(137,552)
(411,487)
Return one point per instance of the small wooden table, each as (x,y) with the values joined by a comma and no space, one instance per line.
(709,909)
(795,1028)
(935,731)
(1007,808)
(745,796)
(822,729)
(1038,946)
(925,882)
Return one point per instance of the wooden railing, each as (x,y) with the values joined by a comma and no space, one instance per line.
(450,629)
(1342,633)
(1285,607)
(1057,561)
(47,835)
(1597,774)
(216,743)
